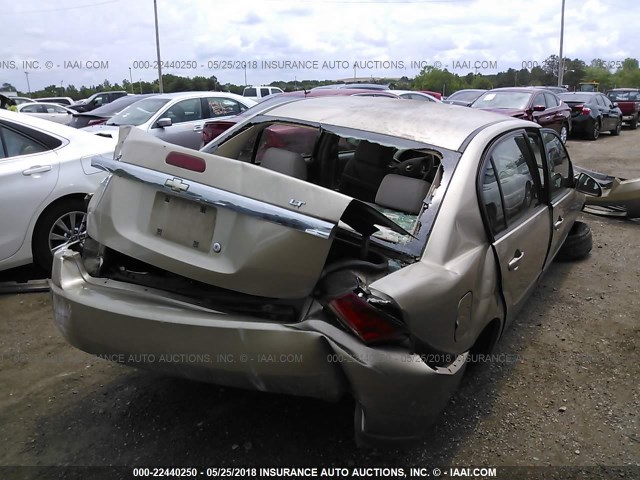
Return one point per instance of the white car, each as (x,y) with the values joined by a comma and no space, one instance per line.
(176,118)
(411,95)
(260,92)
(45,174)
(48,111)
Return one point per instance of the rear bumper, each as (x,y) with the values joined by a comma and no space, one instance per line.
(397,394)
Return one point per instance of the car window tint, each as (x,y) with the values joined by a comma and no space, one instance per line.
(221,107)
(491,198)
(15,144)
(599,100)
(559,165)
(551,100)
(606,101)
(185,111)
(264,92)
(539,100)
(59,110)
(29,109)
(516,180)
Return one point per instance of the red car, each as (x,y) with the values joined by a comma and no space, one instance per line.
(628,100)
(213,128)
(535,104)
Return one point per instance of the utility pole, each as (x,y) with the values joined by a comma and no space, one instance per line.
(561,59)
(26,74)
(131,80)
(155,12)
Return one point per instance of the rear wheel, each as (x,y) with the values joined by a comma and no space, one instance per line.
(634,122)
(63,224)
(616,131)
(564,133)
(578,243)
(594,133)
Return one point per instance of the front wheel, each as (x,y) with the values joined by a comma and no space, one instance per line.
(64,224)
(616,131)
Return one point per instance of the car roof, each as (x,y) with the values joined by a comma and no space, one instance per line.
(449,126)
(579,93)
(194,94)
(50,104)
(520,89)
(46,126)
(623,89)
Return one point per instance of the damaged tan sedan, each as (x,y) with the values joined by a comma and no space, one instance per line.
(324,247)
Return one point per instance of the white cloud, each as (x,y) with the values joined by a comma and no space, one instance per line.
(122,32)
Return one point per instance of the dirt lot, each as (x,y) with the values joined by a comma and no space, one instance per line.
(568,394)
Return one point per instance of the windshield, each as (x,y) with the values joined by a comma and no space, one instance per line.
(624,96)
(139,112)
(117,105)
(467,96)
(514,100)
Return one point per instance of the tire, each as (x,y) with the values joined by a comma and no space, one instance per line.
(578,243)
(564,133)
(62,223)
(633,124)
(616,131)
(594,133)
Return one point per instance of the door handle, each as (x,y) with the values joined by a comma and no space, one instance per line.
(514,263)
(198,128)
(556,226)
(36,169)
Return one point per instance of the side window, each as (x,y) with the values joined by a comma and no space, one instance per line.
(539,100)
(221,107)
(59,110)
(100,100)
(15,144)
(559,165)
(515,182)
(606,101)
(264,92)
(30,109)
(551,100)
(491,198)
(184,111)
(599,101)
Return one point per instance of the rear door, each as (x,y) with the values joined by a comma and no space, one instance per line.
(512,195)
(564,201)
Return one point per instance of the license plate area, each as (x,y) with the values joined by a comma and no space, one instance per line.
(181,221)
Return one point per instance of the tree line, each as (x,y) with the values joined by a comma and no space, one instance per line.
(627,74)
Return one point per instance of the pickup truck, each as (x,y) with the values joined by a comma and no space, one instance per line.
(259,92)
(628,100)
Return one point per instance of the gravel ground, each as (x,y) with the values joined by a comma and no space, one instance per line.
(563,392)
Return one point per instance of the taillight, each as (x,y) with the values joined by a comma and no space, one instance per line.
(188,162)
(96,121)
(213,129)
(358,312)
(585,110)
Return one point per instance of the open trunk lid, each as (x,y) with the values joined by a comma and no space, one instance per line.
(218,220)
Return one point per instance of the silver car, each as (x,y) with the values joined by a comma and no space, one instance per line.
(176,118)
(367,263)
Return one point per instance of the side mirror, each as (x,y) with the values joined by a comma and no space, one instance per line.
(615,104)
(164,122)
(539,108)
(588,185)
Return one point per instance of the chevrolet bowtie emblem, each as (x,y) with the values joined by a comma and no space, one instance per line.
(176,184)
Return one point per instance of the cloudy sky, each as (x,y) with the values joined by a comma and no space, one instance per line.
(53,41)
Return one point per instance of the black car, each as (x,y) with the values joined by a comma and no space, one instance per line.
(97,100)
(464,97)
(104,113)
(592,113)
